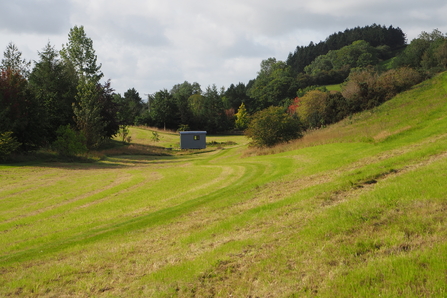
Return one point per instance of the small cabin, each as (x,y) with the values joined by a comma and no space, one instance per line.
(192,139)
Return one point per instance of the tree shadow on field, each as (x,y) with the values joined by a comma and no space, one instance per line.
(124,156)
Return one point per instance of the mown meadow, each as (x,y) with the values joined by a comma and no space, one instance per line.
(356,209)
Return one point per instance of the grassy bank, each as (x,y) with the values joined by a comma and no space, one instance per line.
(356,209)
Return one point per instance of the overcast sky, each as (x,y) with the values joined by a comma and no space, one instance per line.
(151,45)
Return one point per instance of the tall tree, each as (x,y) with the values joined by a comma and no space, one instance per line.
(79,51)
(87,112)
(12,59)
(215,117)
(135,104)
(129,106)
(109,110)
(163,109)
(54,82)
(181,93)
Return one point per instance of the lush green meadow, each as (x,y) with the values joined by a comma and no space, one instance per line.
(353,210)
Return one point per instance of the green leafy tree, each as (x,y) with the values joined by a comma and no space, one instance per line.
(311,109)
(272,126)
(79,51)
(129,107)
(134,104)
(181,93)
(163,110)
(94,109)
(197,103)
(87,112)
(242,118)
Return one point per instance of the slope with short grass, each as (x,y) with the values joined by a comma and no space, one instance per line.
(356,209)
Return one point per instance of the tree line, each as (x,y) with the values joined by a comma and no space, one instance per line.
(62,90)
(62,96)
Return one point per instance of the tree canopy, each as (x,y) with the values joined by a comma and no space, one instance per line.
(272,126)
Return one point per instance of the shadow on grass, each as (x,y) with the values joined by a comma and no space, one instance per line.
(113,155)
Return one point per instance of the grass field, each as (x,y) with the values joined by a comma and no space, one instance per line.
(353,210)
(336,87)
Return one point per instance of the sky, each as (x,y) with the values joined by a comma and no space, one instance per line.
(151,45)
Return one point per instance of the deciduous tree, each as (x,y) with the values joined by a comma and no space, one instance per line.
(87,112)
(79,51)
(272,126)
(163,110)
(311,109)
(242,118)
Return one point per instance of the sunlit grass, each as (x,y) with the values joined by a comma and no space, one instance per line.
(352,210)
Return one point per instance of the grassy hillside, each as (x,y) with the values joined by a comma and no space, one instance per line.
(353,210)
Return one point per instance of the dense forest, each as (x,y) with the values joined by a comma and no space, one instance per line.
(61,98)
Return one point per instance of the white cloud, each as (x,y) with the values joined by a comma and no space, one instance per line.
(155,44)
(38,17)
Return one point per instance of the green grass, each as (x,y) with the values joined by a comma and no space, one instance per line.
(353,210)
(336,87)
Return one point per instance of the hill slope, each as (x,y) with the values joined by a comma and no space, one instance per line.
(357,209)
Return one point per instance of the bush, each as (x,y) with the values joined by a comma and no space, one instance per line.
(69,142)
(367,89)
(8,144)
(123,132)
(273,126)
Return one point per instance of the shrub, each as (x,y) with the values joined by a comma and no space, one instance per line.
(124,133)
(367,89)
(8,144)
(155,136)
(272,126)
(69,142)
